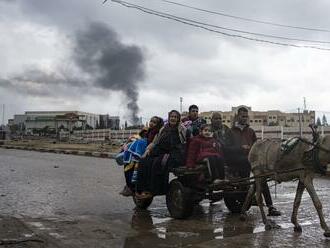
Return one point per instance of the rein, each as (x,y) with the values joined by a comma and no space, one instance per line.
(315,145)
(247,179)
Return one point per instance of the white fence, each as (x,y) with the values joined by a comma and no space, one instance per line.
(118,136)
(280,132)
(98,135)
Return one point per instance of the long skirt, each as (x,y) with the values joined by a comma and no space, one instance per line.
(153,173)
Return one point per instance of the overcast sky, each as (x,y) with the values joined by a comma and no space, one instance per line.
(88,56)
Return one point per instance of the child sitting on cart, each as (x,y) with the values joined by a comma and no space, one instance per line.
(203,148)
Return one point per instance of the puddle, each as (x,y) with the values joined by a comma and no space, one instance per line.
(56,235)
(156,220)
(28,235)
(36,224)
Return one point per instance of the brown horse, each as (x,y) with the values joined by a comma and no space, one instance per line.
(304,160)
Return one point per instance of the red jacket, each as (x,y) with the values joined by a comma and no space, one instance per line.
(202,147)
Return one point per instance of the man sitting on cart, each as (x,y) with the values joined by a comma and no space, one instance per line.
(193,122)
(221,132)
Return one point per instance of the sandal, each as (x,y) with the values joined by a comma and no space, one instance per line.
(126,191)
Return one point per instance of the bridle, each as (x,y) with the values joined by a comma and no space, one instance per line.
(312,156)
(315,145)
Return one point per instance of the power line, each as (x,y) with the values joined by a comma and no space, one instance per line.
(246,19)
(237,30)
(202,26)
(229,29)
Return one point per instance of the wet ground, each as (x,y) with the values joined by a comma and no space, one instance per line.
(55,200)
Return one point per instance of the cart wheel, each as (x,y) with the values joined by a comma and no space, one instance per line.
(234,201)
(179,200)
(215,197)
(142,203)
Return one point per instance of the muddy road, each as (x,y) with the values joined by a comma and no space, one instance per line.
(56,200)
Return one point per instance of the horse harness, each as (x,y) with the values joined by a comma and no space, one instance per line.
(311,157)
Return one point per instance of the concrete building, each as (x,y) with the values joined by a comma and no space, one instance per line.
(266,118)
(54,120)
(112,122)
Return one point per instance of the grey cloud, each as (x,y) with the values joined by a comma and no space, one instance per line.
(41,84)
(111,64)
(68,14)
(161,36)
(103,61)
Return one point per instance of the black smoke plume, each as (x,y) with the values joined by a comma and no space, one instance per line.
(102,60)
(111,64)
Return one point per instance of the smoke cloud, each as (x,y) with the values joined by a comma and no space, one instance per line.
(101,60)
(111,64)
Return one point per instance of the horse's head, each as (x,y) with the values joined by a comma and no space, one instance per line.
(324,149)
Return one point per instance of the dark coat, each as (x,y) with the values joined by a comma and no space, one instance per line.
(223,135)
(244,136)
(201,147)
(236,156)
(167,151)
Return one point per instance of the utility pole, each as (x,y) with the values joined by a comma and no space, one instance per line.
(305,108)
(181,100)
(300,129)
(3,114)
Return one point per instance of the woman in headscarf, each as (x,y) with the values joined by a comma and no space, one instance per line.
(165,152)
(135,149)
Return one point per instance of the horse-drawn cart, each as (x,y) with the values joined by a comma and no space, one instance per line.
(299,161)
(186,191)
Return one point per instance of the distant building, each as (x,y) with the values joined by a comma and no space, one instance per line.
(4,132)
(140,122)
(265,118)
(112,122)
(54,120)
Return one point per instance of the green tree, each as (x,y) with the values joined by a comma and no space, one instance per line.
(318,121)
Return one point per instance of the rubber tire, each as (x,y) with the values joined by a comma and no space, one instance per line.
(216,198)
(179,200)
(142,203)
(234,201)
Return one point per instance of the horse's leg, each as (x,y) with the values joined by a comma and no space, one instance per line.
(296,204)
(258,186)
(317,204)
(247,201)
